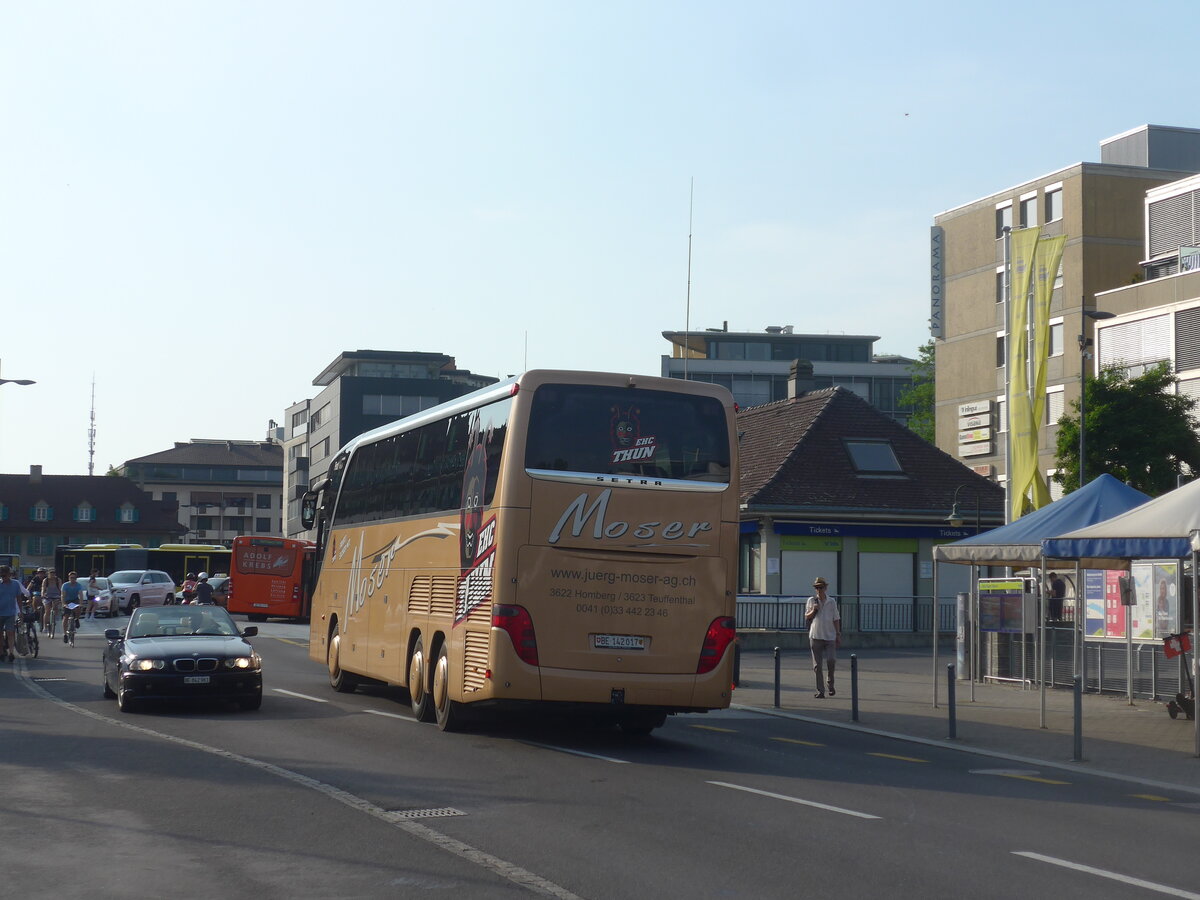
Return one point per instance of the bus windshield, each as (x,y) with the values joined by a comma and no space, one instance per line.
(613,431)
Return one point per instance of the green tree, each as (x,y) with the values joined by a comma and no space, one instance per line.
(920,397)
(1138,430)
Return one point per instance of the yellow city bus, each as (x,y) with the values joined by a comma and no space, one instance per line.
(565,538)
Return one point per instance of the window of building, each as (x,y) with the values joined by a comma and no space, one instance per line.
(1001,360)
(320,450)
(262,501)
(1000,285)
(873,456)
(1056,338)
(3,512)
(1029,211)
(382,404)
(1054,207)
(749,566)
(127,514)
(262,524)
(1054,404)
(10,543)
(204,523)
(236,523)
(1003,218)
(1058,276)
(41,512)
(1001,414)
(1056,489)
(170,495)
(299,418)
(85,512)
(40,546)
(318,418)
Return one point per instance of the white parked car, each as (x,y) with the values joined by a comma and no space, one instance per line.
(132,588)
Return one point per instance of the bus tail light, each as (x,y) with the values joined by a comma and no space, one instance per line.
(519,624)
(720,635)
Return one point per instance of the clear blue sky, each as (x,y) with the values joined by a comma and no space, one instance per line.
(202,204)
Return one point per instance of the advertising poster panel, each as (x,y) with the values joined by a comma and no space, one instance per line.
(1143,607)
(1095,594)
(1000,604)
(1114,612)
(1166,599)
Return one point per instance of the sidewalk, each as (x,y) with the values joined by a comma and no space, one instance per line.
(895,696)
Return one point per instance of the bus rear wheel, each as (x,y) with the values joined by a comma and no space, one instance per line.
(339,679)
(449,713)
(418,690)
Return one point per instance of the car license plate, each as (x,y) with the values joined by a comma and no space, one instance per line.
(195,679)
(619,642)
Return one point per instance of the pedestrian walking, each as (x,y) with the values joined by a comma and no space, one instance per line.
(824,634)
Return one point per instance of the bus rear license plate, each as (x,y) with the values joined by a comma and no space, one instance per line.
(261,605)
(619,642)
(195,679)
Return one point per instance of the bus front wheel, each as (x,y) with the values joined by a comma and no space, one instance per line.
(418,685)
(448,712)
(339,679)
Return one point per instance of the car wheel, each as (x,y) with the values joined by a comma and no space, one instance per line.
(339,679)
(134,602)
(125,703)
(418,692)
(449,713)
(169,600)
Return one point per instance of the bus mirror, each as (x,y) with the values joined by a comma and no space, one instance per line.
(308,509)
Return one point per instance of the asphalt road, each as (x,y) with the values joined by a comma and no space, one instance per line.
(321,794)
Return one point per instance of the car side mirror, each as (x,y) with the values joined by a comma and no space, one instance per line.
(112,634)
(250,631)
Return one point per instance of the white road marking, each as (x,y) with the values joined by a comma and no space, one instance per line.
(813,803)
(1103,873)
(301,696)
(500,867)
(611,759)
(380,712)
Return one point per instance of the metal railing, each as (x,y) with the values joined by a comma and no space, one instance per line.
(875,613)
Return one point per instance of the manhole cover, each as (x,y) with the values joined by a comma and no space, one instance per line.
(439,813)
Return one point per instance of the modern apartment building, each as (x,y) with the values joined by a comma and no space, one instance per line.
(361,390)
(756,366)
(1158,319)
(223,488)
(1102,209)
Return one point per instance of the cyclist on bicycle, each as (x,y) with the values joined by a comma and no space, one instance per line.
(35,589)
(11,590)
(51,600)
(73,595)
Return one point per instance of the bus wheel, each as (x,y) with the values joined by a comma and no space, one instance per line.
(418,690)
(339,679)
(448,712)
(641,724)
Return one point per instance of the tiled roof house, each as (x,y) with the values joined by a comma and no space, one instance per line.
(831,486)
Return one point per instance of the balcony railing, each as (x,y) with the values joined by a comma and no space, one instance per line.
(859,613)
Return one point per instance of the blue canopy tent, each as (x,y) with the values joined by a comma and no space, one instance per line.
(1167,527)
(1019,544)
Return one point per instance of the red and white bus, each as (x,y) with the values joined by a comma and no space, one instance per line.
(271,577)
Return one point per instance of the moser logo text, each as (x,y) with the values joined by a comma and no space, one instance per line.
(578,514)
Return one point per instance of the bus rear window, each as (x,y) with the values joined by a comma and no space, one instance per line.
(619,431)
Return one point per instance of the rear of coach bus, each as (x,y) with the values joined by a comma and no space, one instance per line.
(624,591)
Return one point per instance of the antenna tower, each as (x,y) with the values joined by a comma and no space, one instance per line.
(92,430)
(687,314)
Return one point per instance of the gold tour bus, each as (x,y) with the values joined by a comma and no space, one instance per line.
(562,538)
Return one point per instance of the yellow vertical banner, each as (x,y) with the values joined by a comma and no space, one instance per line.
(1045,270)
(1022,430)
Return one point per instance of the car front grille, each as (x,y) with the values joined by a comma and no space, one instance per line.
(188,664)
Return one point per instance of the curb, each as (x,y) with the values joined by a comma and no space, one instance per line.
(947,744)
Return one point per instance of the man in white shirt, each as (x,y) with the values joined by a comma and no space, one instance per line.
(824,633)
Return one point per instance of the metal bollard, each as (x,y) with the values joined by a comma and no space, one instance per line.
(854,687)
(777,678)
(950,701)
(1078,688)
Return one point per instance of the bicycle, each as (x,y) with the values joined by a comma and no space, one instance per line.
(70,622)
(27,635)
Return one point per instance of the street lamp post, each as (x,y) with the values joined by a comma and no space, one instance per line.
(1084,343)
(955,518)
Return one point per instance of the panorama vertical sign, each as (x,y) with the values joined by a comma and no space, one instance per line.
(937,286)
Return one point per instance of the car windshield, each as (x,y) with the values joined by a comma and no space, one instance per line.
(119,578)
(180,622)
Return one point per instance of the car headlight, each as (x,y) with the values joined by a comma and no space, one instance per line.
(145,665)
(242,662)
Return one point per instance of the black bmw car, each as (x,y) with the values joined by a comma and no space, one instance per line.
(182,653)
